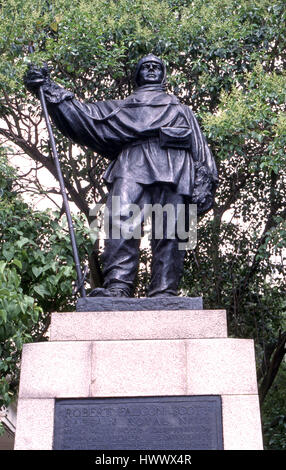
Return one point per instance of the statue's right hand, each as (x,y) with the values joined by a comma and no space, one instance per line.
(36,77)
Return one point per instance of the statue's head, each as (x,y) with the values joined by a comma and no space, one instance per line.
(150,70)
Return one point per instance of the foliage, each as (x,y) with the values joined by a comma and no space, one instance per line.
(36,276)
(274,414)
(18,315)
(227,60)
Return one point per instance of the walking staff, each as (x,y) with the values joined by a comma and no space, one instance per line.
(80,276)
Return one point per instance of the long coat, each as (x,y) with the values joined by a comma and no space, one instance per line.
(149,137)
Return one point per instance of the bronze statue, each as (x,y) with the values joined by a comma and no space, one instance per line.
(158,156)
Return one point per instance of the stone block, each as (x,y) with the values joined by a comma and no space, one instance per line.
(241,422)
(35,424)
(138,368)
(131,325)
(51,370)
(221,366)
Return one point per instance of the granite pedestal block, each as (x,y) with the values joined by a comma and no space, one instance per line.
(139,354)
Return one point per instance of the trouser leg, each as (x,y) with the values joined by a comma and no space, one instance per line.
(168,250)
(167,267)
(121,255)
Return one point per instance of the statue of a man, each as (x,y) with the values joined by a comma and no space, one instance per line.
(159,156)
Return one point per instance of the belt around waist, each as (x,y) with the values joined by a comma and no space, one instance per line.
(141,141)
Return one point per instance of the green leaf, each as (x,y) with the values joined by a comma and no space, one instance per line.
(2,267)
(3,315)
(37,271)
(4,292)
(41,290)
(24,241)
(8,252)
(17,263)
(54,26)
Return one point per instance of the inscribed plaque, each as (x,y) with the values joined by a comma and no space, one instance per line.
(148,423)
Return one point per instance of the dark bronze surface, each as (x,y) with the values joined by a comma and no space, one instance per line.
(148,423)
(105,304)
(158,155)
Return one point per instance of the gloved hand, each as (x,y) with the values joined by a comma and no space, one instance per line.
(36,77)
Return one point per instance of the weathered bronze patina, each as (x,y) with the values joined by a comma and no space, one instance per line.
(158,156)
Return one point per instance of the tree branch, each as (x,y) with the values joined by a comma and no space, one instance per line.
(272,365)
(48,163)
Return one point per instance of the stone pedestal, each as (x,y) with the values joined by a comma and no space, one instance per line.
(139,354)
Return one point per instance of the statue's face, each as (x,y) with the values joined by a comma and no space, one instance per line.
(150,72)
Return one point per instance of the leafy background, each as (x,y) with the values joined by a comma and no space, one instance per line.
(226,59)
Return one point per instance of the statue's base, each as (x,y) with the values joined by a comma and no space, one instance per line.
(119,304)
(152,380)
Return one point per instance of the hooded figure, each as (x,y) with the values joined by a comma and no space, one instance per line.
(154,59)
(158,156)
